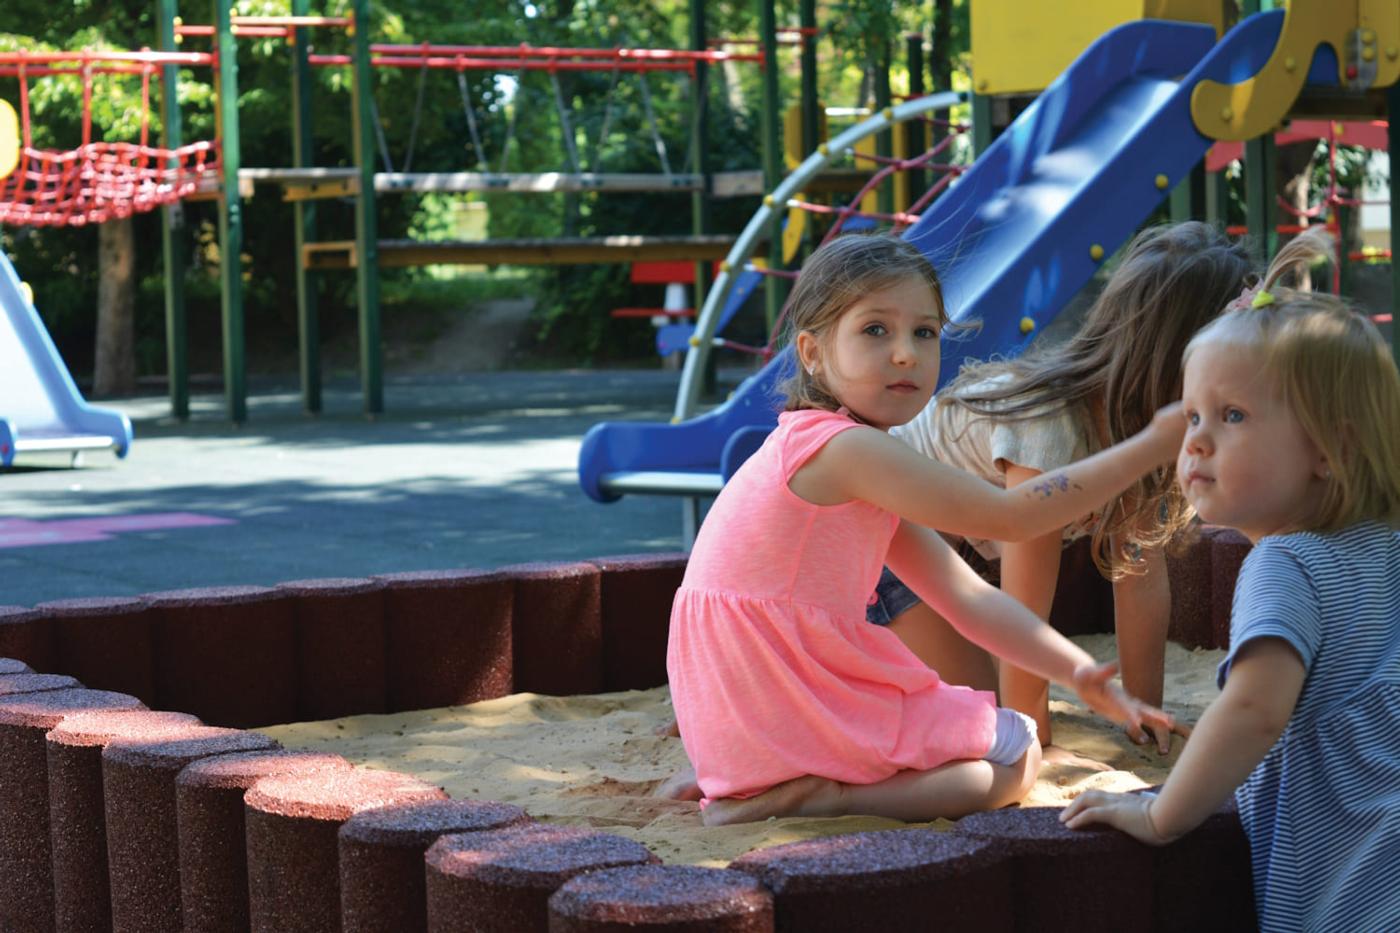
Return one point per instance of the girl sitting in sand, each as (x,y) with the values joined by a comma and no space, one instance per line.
(788,702)
(1008,421)
(1293,406)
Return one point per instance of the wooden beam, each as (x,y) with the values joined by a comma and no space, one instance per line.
(543,252)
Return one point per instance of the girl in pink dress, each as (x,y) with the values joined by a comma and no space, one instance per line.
(788,702)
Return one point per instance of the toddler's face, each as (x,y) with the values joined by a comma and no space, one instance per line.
(1246,461)
(882,359)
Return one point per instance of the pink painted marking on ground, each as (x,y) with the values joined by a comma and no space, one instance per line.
(22,532)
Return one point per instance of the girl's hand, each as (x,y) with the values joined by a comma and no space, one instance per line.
(1095,686)
(1168,430)
(1158,735)
(1130,813)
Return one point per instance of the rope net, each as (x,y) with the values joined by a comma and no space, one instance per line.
(99,180)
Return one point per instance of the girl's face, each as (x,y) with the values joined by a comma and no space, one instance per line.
(1246,461)
(881,360)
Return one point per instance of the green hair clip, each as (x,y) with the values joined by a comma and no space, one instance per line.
(1262,299)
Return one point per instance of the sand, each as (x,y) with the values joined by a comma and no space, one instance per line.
(594,760)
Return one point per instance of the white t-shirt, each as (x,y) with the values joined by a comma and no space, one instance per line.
(983,445)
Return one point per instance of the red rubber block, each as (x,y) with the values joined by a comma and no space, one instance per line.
(501,881)
(636,593)
(890,880)
(105,643)
(449,637)
(557,629)
(381,858)
(1083,603)
(1188,571)
(77,820)
(26,635)
(14,666)
(26,896)
(143,851)
(14,684)
(1204,882)
(342,659)
(1228,550)
(209,815)
(292,822)
(1050,864)
(670,898)
(226,654)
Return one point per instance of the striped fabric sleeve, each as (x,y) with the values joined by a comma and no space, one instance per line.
(1274,598)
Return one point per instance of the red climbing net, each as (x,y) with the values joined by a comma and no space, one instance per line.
(98,180)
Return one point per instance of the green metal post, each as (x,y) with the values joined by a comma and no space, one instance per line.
(981,124)
(884,141)
(1188,198)
(1218,199)
(811,105)
(915,131)
(172,228)
(773,294)
(1392,99)
(1261,210)
(700,160)
(941,69)
(366,227)
(308,320)
(230,219)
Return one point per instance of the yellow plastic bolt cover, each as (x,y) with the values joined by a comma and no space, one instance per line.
(1161,181)
(725,266)
(1392,53)
(1096,252)
(767,200)
(823,149)
(1368,54)
(1368,35)
(1027,325)
(694,341)
(887,113)
(1290,63)
(1227,114)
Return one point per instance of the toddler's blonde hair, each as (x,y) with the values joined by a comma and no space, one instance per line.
(1331,367)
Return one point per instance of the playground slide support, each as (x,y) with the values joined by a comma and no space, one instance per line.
(304,219)
(773,291)
(230,218)
(172,228)
(366,224)
(688,398)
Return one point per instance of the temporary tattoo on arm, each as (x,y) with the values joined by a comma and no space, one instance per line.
(1045,488)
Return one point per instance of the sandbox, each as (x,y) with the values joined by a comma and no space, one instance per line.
(542,686)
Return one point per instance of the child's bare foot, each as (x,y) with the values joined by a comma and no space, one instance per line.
(808,795)
(1054,755)
(672,730)
(679,786)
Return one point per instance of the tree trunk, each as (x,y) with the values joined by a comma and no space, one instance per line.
(114,369)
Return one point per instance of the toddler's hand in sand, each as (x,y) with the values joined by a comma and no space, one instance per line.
(1130,813)
(1095,686)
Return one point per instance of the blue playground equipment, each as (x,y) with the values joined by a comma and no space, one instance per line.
(41,408)
(1019,234)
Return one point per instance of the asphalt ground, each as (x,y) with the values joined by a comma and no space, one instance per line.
(474,470)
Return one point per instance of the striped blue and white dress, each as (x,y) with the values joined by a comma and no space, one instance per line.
(1322,810)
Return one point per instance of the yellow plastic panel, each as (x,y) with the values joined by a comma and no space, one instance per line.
(1023,45)
(1362,32)
(9,139)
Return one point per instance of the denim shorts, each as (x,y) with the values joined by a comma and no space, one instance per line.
(892,598)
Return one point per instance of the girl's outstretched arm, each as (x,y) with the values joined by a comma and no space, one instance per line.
(1231,739)
(869,464)
(995,621)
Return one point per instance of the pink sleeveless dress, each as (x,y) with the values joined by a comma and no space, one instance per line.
(774,671)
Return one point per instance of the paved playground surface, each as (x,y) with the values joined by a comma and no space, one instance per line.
(473,470)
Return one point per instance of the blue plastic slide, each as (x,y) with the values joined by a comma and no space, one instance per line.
(1019,234)
(40,406)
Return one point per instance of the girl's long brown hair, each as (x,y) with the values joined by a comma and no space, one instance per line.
(1171,281)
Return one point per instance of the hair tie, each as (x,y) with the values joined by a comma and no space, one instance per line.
(1261,299)
(1245,298)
